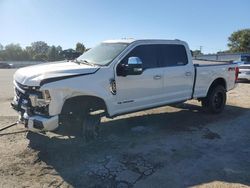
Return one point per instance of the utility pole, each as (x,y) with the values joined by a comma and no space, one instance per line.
(201,49)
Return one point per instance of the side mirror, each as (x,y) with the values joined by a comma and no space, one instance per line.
(133,67)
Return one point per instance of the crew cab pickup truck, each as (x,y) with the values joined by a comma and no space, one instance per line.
(118,77)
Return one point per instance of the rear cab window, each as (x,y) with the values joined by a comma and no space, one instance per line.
(172,55)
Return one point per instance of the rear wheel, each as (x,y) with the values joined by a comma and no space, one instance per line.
(215,100)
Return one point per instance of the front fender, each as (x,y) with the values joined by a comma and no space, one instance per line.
(62,90)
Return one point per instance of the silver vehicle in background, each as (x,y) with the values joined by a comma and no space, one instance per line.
(244,68)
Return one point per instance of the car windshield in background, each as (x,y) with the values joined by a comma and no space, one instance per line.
(103,54)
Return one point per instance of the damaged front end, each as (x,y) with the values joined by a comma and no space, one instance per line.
(33,107)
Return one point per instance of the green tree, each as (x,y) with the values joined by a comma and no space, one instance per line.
(59,49)
(26,56)
(13,52)
(40,47)
(239,41)
(30,53)
(38,50)
(80,47)
(2,53)
(59,55)
(40,57)
(196,53)
(1,47)
(52,53)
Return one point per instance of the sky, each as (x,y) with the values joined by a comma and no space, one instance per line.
(66,22)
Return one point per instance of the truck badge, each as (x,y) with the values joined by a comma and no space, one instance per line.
(112,86)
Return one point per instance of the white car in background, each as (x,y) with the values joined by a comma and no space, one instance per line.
(244,71)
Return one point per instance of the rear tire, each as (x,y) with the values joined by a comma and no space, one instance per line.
(215,100)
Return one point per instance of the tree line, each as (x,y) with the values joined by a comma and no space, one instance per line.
(238,41)
(39,51)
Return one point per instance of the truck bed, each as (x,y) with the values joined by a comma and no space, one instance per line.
(202,62)
(207,71)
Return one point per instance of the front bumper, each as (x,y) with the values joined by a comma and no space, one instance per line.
(38,123)
(34,122)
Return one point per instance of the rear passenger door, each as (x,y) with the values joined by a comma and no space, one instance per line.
(178,72)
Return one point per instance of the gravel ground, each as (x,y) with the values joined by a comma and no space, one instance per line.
(177,146)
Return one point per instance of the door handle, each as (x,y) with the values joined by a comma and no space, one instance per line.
(157,77)
(188,73)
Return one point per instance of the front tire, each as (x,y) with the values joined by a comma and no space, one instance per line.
(77,120)
(215,100)
(90,127)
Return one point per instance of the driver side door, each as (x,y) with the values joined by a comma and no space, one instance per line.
(135,92)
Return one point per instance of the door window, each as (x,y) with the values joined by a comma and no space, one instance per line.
(172,55)
(147,54)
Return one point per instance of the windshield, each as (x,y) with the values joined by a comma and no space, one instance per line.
(103,54)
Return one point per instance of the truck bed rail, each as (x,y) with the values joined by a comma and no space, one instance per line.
(203,62)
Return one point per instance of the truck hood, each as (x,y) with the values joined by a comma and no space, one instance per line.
(39,74)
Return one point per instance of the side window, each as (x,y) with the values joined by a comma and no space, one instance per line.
(172,55)
(147,54)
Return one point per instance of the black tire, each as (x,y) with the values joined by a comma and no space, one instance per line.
(204,103)
(90,127)
(76,120)
(215,100)
(70,119)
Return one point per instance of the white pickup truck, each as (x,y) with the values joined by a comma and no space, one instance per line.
(118,77)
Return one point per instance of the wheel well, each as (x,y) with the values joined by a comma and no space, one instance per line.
(95,103)
(218,81)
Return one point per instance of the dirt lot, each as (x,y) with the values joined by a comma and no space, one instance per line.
(178,146)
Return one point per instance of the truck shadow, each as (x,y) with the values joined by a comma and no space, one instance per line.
(156,142)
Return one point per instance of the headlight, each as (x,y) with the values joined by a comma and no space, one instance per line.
(46,96)
(33,99)
(40,100)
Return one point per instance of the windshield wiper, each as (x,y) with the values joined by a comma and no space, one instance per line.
(76,61)
(87,62)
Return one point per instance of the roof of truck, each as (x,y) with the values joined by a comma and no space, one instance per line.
(130,40)
(125,40)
